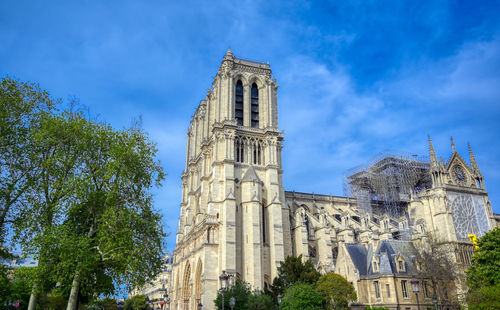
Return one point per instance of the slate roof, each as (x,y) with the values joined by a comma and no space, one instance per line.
(391,248)
(358,254)
(386,251)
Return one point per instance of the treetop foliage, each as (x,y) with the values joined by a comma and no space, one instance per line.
(483,276)
(78,195)
(137,302)
(241,292)
(336,291)
(304,297)
(293,270)
(485,266)
(22,107)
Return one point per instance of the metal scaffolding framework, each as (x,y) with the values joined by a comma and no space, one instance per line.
(386,184)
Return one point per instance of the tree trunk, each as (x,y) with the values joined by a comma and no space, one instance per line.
(33,299)
(73,296)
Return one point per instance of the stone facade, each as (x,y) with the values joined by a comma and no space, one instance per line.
(157,290)
(236,216)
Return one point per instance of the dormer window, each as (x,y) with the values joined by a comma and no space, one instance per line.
(400,263)
(376,264)
(238,103)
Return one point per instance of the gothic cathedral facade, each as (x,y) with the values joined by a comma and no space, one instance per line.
(232,211)
(237,217)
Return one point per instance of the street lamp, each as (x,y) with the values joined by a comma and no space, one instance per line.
(223,285)
(232,302)
(165,297)
(416,289)
(279,300)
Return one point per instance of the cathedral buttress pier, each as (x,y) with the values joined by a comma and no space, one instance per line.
(233,215)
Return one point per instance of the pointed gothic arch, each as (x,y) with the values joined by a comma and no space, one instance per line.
(198,283)
(186,288)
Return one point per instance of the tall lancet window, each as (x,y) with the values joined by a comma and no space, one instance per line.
(255,106)
(238,103)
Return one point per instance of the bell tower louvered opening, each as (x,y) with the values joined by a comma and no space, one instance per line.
(238,103)
(254,118)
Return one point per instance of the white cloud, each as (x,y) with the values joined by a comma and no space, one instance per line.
(331,126)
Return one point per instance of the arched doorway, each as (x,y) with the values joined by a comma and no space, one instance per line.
(186,288)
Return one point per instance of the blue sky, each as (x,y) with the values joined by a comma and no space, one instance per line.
(356,77)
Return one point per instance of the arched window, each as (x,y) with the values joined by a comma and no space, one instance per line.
(239,147)
(259,158)
(238,103)
(255,106)
(255,153)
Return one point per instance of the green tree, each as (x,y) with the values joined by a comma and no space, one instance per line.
(104,304)
(53,302)
(17,287)
(303,296)
(21,285)
(57,147)
(120,230)
(336,291)
(260,301)
(109,303)
(91,219)
(240,291)
(137,302)
(483,276)
(22,105)
(293,270)
(4,285)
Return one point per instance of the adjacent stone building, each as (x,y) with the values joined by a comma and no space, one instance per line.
(237,217)
(157,290)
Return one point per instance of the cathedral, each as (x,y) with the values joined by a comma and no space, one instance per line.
(237,218)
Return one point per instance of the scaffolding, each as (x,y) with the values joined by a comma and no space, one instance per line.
(387,183)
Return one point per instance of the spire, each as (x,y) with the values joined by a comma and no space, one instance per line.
(473,163)
(453,145)
(432,154)
(229,54)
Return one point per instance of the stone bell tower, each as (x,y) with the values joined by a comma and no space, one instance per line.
(233,215)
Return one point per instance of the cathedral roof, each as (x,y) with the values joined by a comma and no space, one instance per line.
(358,254)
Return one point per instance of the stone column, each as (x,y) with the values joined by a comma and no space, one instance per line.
(252,232)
